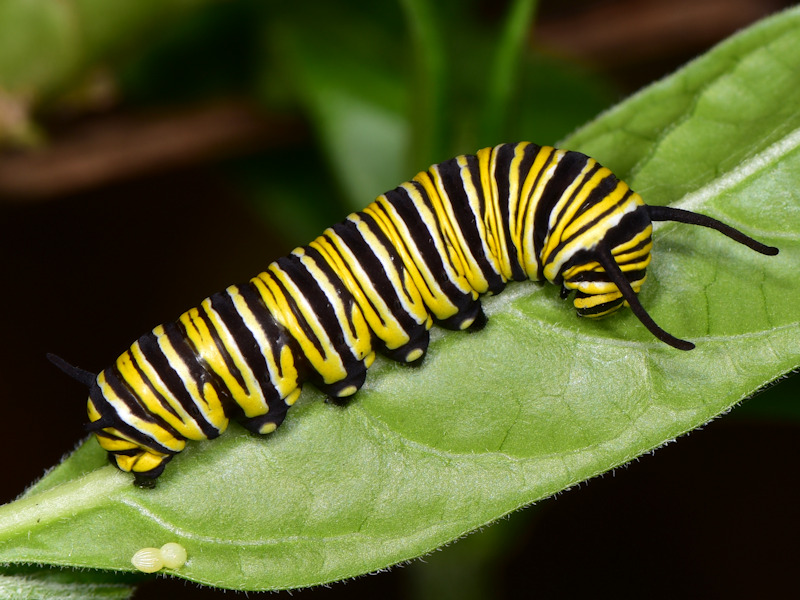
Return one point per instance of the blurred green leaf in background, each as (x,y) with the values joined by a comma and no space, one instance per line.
(538,402)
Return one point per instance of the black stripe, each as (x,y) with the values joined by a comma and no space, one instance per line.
(200,372)
(422,237)
(333,325)
(149,384)
(148,344)
(132,433)
(631,225)
(349,235)
(606,186)
(122,388)
(569,167)
(365,255)
(502,175)
(222,348)
(308,290)
(375,269)
(246,343)
(274,332)
(454,186)
(600,308)
(402,239)
(576,191)
(596,222)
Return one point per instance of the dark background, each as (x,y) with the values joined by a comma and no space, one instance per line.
(88,267)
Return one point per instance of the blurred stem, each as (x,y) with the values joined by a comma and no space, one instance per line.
(428,94)
(504,69)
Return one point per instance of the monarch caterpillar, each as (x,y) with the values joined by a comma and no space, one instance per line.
(422,253)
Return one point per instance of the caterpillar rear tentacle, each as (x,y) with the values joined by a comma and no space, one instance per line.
(80,375)
(420,254)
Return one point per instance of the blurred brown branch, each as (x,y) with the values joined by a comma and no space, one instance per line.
(121,145)
(629,32)
(635,41)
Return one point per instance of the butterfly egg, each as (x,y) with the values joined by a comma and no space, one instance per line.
(148,560)
(173,555)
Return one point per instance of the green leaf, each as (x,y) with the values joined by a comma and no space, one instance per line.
(32,583)
(690,129)
(495,420)
(431,78)
(38,45)
(44,45)
(504,70)
(355,96)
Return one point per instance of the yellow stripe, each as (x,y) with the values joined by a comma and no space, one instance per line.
(198,332)
(634,266)
(373,307)
(576,270)
(515,200)
(396,230)
(567,206)
(480,222)
(533,192)
(409,295)
(182,422)
(432,221)
(598,299)
(326,362)
(353,326)
(250,398)
(494,234)
(276,363)
(611,202)
(638,238)
(623,260)
(188,427)
(94,414)
(587,240)
(149,429)
(267,288)
(209,405)
(603,287)
(115,444)
(147,461)
(464,268)
(138,463)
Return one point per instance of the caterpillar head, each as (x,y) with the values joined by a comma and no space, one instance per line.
(126,448)
(597,294)
(611,274)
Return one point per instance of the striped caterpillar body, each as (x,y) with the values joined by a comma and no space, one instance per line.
(420,254)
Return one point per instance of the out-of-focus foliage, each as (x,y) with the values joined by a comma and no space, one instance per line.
(392,90)
(388,89)
(47,47)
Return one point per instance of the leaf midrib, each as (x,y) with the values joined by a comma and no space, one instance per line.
(700,198)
